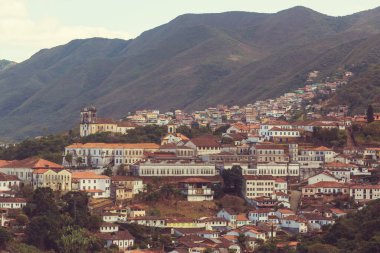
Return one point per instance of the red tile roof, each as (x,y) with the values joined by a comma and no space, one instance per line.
(33,163)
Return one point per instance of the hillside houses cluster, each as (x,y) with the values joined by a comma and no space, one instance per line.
(276,162)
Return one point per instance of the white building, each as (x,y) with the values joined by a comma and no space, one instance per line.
(257,186)
(12,203)
(104,154)
(157,168)
(365,192)
(97,186)
(274,169)
(294,223)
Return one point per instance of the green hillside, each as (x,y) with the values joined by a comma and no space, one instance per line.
(194,61)
(358,233)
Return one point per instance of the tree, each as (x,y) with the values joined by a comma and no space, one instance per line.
(69,159)
(76,240)
(233,180)
(42,203)
(5,237)
(121,170)
(108,172)
(370,117)
(43,231)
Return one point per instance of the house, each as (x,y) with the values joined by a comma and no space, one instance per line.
(274,169)
(125,187)
(260,215)
(324,176)
(55,179)
(149,221)
(12,203)
(204,145)
(228,214)
(8,183)
(214,223)
(106,154)
(197,189)
(283,212)
(242,220)
(23,169)
(96,186)
(166,168)
(256,186)
(265,152)
(108,227)
(122,239)
(294,223)
(136,211)
(316,222)
(364,192)
(279,135)
(325,188)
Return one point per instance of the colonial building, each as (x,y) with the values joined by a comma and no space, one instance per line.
(365,192)
(91,124)
(162,168)
(270,152)
(55,179)
(23,169)
(97,186)
(204,145)
(325,188)
(106,154)
(197,189)
(123,187)
(274,169)
(257,186)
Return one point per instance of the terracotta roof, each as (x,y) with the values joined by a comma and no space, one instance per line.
(33,163)
(295,218)
(242,217)
(116,145)
(260,177)
(365,186)
(120,235)
(321,148)
(105,121)
(327,184)
(195,180)
(283,129)
(340,165)
(12,200)
(4,162)
(205,141)
(87,175)
(286,211)
(5,177)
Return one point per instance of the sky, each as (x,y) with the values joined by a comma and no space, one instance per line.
(26,26)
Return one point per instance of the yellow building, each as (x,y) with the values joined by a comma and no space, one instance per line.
(55,179)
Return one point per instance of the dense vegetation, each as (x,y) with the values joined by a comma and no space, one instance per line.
(361,91)
(329,137)
(368,134)
(63,224)
(358,233)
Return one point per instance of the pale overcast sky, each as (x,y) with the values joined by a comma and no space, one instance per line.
(27,26)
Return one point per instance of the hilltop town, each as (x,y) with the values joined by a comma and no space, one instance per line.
(225,179)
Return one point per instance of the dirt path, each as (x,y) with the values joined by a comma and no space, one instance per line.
(295,198)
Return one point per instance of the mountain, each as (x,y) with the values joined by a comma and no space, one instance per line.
(4,64)
(194,61)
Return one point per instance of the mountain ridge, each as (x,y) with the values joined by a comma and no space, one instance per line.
(194,61)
